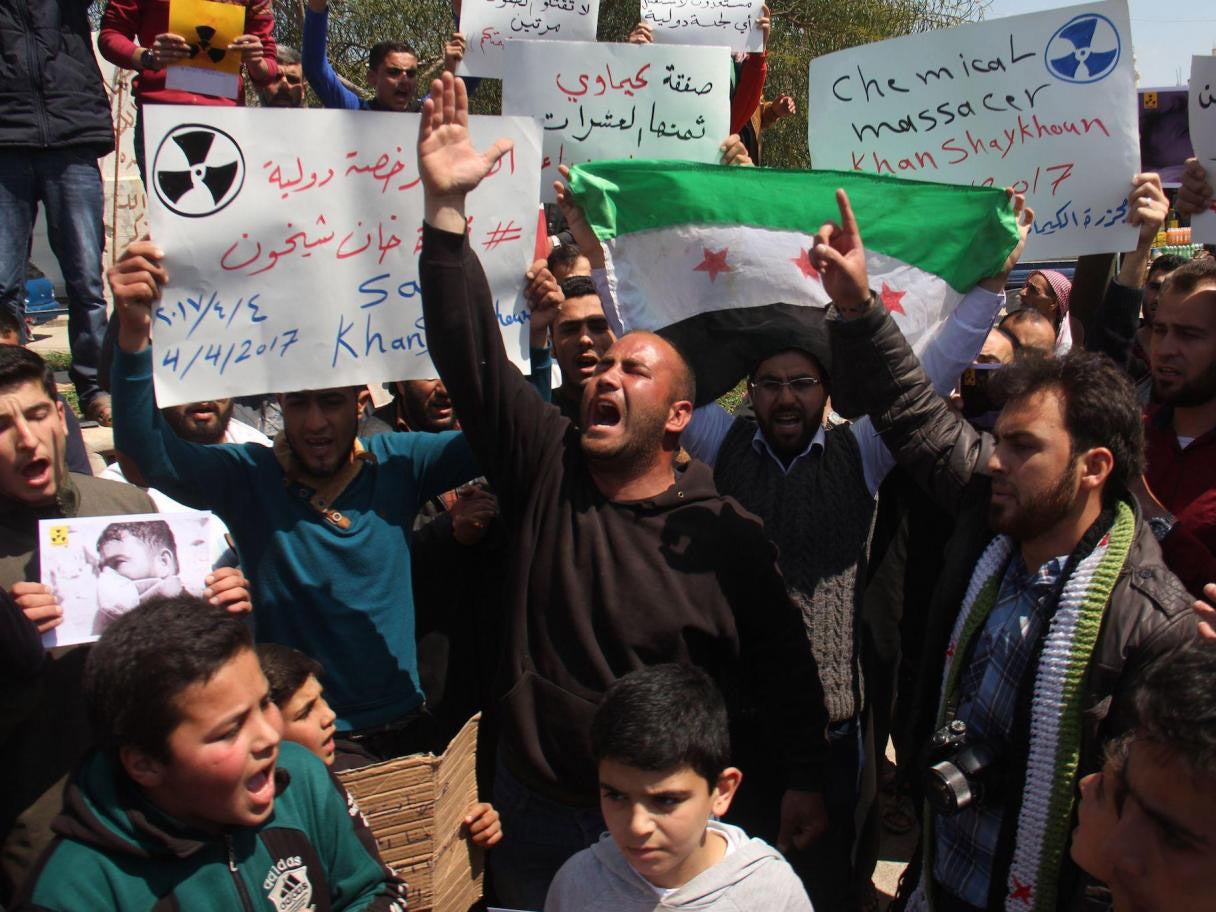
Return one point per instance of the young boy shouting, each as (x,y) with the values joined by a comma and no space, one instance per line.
(190,801)
(661,740)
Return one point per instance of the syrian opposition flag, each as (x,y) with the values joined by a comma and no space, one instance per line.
(717,259)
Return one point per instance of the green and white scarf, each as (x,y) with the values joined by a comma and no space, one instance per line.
(1055,712)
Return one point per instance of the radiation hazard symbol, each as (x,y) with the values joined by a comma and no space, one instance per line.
(197,170)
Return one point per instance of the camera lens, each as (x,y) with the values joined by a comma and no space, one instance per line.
(948,788)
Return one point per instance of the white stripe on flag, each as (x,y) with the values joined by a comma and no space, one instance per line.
(666,275)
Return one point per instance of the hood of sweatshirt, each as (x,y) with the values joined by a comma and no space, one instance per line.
(751,859)
(104,809)
(693,482)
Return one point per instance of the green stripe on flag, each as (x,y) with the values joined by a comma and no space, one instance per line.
(961,234)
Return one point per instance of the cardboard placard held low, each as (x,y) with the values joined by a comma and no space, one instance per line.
(415,806)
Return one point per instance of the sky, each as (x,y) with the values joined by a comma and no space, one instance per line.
(1165,33)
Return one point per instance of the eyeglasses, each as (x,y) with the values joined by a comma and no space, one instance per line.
(394,72)
(799,386)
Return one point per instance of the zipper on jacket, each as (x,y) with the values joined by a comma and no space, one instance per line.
(236,875)
(31,59)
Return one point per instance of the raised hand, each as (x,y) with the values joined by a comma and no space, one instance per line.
(584,236)
(1195,192)
(1024,216)
(448,164)
(641,34)
(783,106)
(544,297)
(838,254)
(135,282)
(453,52)
(764,23)
(1148,205)
(734,152)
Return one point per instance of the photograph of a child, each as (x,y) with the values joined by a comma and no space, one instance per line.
(103,566)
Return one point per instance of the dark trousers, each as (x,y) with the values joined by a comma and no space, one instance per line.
(539,836)
(68,184)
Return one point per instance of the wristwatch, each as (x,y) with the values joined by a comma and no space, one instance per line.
(147,59)
(1162,526)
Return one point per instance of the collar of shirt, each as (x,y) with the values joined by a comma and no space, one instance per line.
(1020,579)
(760,445)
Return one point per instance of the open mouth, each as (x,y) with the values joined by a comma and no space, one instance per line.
(604,413)
(37,471)
(787,419)
(261,785)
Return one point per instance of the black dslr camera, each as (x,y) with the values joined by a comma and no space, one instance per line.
(963,770)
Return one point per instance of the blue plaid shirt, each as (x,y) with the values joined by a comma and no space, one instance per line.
(988,691)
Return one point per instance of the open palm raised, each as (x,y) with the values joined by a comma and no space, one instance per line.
(447,162)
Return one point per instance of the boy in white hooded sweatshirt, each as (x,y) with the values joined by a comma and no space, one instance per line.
(662,743)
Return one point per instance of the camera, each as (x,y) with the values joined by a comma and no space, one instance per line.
(964,770)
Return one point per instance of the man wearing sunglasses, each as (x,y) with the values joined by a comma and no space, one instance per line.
(392,69)
(814,484)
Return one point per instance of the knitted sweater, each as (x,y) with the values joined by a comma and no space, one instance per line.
(822,562)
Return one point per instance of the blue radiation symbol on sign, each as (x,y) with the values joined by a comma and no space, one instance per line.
(1084,49)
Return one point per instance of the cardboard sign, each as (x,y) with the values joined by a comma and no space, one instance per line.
(415,807)
(100,567)
(490,25)
(1044,103)
(602,101)
(712,22)
(294,265)
(208,27)
(1202,117)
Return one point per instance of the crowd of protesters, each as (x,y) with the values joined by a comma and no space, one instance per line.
(690,632)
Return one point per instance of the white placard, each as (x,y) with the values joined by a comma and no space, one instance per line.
(490,25)
(712,22)
(100,567)
(1202,121)
(1044,102)
(602,101)
(203,82)
(291,240)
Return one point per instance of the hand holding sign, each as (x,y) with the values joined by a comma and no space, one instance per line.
(135,281)
(1195,194)
(448,164)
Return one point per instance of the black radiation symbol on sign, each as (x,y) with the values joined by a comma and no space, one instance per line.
(205,34)
(197,170)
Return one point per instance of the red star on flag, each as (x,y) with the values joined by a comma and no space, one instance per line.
(891,298)
(714,263)
(1021,891)
(803,262)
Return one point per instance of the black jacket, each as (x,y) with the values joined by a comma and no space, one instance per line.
(51,93)
(597,589)
(1149,611)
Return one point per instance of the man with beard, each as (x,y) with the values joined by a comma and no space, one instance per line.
(814,487)
(196,422)
(1179,494)
(619,558)
(321,520)
(1053,592)
(287,88)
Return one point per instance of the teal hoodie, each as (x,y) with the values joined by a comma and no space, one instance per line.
(116,851)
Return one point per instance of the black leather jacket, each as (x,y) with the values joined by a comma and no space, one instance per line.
(51,92)
(876,373)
